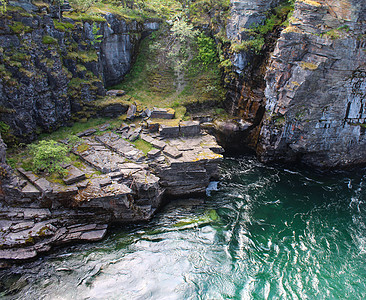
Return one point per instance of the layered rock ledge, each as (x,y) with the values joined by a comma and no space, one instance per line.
(112,181)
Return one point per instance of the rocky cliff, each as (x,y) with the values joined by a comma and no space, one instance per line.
(52,70)
(311,105)
(316,87)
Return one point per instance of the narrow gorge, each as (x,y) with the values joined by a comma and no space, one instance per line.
(150,130)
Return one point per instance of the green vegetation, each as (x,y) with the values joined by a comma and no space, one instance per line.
(97,37)
(176,67)
(207,51)
(84,56)
(46,39)
(19,27)
(145,147)
(3,6)
(82,5)
(278,17)
(63,26)
(48,155)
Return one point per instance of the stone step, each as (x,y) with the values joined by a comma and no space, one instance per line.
(74,175)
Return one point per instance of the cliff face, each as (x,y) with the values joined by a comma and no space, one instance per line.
(316,87)
(245,95)
(52,71)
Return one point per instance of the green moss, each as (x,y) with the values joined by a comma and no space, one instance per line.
(276,18)
(63,26)
(308,65)
(93,17)
(84,56)
(80,68)
(49,40)
(83,147)
(18,56)
(332,34)
(19,27)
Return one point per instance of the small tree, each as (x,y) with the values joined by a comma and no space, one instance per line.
(82,5)
(48,155)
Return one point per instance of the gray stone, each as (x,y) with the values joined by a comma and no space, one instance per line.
(158,144)
(95,235)
(152,126)
(74,175)
(189,128)
(153,153)
(116,93)
(82,184)
(104,127)
(135,134)
(169,131)
(172,152)
(31,191)
(131,112)
(44,185)
(36,213)
(105,181)
(87,132)
(18,254)
(162,113)
(22,226)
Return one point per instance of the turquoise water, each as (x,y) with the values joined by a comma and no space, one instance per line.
(268,233)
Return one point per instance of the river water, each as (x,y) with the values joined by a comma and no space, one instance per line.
(268,233)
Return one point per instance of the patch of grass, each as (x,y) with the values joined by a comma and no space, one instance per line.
(93,17)
(66,132)
(140,144)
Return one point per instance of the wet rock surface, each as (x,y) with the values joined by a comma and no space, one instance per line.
(116,182)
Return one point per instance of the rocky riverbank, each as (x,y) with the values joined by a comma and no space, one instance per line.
(113,182)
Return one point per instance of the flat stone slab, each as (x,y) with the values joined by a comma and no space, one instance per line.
(147,138)
(95,235)
(87,132)
(18,254)
(162,113)
(158,144)
(172,152)
(44,185)
(104,127)
(31,191)
(153,153)
(74,175)
(105,181)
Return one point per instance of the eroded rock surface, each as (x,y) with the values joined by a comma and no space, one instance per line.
(115,183)
(316,87)
(52,72)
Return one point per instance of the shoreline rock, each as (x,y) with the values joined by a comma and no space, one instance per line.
(116,183)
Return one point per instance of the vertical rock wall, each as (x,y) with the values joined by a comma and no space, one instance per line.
(52,72)
(316,87)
